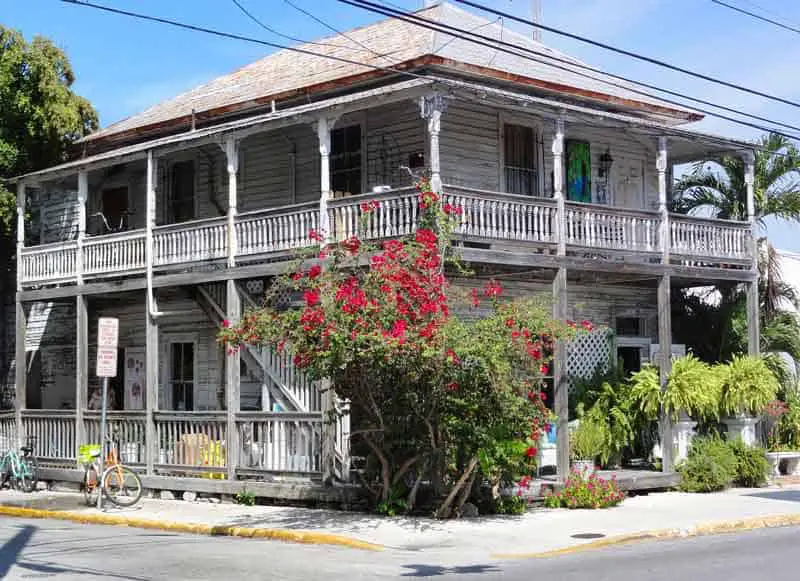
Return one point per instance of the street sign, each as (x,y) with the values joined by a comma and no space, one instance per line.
(107,338)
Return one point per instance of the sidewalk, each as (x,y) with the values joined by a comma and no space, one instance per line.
(540,531)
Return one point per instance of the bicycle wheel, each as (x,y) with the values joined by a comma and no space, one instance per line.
(28,476)
(122,485)
(90,482)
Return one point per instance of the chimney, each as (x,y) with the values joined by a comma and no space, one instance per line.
(536,17)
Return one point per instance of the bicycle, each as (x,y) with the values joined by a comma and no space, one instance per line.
(120,485)
(20,470)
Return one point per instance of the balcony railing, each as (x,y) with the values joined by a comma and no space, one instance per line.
(488,217)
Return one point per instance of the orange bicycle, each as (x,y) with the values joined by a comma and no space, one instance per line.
(120,484)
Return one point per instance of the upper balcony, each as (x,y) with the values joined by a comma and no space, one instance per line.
(497,220)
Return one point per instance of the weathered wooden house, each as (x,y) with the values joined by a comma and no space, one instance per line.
(177,217)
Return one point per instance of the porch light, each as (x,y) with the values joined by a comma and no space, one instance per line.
(605,164)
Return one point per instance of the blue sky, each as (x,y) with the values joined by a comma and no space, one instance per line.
(125,65)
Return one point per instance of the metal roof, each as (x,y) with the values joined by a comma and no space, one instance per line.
(398,44)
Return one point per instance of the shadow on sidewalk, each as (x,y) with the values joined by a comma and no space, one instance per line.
(787,495)
(437,570)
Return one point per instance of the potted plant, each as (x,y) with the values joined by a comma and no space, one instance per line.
(747,387)
(586,442)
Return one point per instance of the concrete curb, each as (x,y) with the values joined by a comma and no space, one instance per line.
(706,529)
(286,535)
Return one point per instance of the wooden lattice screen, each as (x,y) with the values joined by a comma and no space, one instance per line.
(588,351)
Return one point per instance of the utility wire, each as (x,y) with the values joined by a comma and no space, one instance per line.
(631,54)
(233,36)
(271,30)
(757,16)
(494,44)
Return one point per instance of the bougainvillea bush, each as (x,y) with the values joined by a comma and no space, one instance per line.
(439,405)
(585,491)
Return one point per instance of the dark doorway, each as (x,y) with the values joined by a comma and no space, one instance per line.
(631,359)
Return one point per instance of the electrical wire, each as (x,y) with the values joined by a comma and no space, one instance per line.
(276,32)
(632,54)
(757,16)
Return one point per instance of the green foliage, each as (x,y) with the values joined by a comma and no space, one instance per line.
(692,387)
(582,491)
(785,433)
(245,498)
(710,466)
(586,441)
(511,505)
(40,115)
(752,467)
(748,385)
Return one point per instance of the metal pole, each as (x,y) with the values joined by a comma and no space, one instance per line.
(102,459)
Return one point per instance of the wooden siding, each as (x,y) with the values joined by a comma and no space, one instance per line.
(469,144)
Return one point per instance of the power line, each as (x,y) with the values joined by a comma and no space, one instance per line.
(271,30)
(631,54)
(757,16)
(486,40)
(234,36)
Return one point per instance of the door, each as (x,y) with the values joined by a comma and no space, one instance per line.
(115,208)
(182,375)
(134,378)
(628,184)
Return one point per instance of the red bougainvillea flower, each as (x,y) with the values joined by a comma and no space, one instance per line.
(531,452)
(314,271)
(570,324)
(428,199)
(426,237)
(297,276)
(586,325)
(226,323)
(367,207)
(476,301)
(452,386)
(492,289)
(510,322)
(452,357)
(311,297)
(544,369)
(352,244)
(315,235)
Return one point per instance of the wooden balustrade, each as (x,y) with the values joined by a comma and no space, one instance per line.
(594,226)
(304,391)
(190,441)
(127,429)
(709,239)
(503,216)
(276,229)
(53,433)
(8,432)
(396,214)
(188,242)
(280,442)
(114,253)
(51,263)
(482,215)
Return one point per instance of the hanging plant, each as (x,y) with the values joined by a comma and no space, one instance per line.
(747,386)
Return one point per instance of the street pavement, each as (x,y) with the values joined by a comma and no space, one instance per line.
(48,549)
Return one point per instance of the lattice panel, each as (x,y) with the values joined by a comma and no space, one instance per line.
(587,351)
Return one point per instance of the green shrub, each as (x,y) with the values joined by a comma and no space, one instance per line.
(710,466)
(752,467)
(748,385)
(245,497)
(582,491)
(586,441)
(510,505)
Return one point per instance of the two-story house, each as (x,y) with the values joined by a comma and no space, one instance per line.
(178,217)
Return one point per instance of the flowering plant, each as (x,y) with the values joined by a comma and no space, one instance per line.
(582,491)
(433,398)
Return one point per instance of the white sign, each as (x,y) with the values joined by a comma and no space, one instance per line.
(107,338)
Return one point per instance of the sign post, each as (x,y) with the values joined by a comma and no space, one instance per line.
(107,339)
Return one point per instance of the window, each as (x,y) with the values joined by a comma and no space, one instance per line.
(182,376)
(115,208)
(519,161)
(345,159)
(630,326)
(181,192)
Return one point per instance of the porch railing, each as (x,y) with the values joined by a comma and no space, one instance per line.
(190,441)
(54,434)
(8,432)
(710,239)
(492,217)
(594,226)
(126,428)
(281,442)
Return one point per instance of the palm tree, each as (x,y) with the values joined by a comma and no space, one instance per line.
(716,188)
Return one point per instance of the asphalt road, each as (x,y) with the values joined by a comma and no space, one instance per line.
(35,549)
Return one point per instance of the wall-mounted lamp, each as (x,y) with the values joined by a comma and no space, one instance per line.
(605,164)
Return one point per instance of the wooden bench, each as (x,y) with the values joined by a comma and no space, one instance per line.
(792,459)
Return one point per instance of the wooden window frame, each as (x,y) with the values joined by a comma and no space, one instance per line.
(169,218)
(360,122)
(509,118)
(169,341)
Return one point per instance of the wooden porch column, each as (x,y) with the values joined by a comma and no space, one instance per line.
(151,322)
(81,366)
(233,311)
(560,385)
(753,323)
(431,108)
(83,196)
(20,360)
(664,308)
(324,137)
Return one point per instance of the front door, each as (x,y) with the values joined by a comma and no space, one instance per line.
(628,184)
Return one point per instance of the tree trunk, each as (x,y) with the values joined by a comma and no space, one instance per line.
(445,510)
